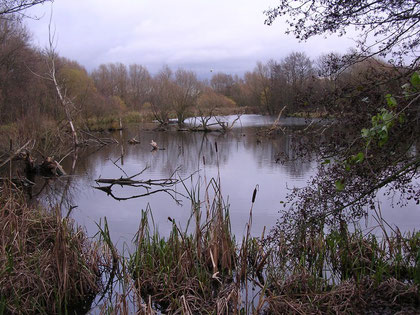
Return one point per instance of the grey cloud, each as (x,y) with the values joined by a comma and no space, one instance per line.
(219,34)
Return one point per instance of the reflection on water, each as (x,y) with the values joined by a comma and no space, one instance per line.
(243,161)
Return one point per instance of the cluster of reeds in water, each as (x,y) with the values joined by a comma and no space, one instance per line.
(189,272)
(201,268)
(344,272)
(207,271)
(49,266)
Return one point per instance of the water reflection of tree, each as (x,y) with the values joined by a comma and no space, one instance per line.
(185,150)
(180,149)
(57,191)
(279,150)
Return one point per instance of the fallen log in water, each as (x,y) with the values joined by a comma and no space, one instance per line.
(130,182)
(150,185)
(50,167)
(95,140)
(172,193)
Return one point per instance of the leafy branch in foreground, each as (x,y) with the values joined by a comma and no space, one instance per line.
(383,156)
(387,117)
(386,26)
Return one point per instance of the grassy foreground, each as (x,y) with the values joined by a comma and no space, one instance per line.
(201,269)
(47,264)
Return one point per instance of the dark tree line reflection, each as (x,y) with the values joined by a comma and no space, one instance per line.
(239,151)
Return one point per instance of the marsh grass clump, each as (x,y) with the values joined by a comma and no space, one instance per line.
(309,270)
(344,272)
(349,297)
(47,265)
(188,271)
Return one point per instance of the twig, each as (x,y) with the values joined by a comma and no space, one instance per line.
(101,141)
(115,163)
(62,159)
(15,153)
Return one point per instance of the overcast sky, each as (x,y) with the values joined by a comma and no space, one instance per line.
(200,35)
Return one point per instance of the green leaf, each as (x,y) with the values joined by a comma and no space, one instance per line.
(360,157)
(384,130)
(365,133)
(383,140)
(401,118)
(339,185)
(415,80)
(327,161)
(391,101)
(387,116)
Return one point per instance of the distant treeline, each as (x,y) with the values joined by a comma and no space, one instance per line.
(296,81)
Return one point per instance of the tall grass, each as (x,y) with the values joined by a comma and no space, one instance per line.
(335,271)
(202,269)
(350,272)
(47,265)
(190,271)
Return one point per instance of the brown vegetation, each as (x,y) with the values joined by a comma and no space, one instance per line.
(47,264)
(201,268)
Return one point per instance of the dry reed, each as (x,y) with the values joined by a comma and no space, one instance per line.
(47,265)
(189,272)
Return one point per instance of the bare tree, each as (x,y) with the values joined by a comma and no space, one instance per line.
(102,77)
(187,89)
(119,75)
(67,103)
(10,7)
(297,67)
(297,70)
(258,82)
(139,85)
(222,83)
(112,80)
(161,95)
(386,27)
(14,53)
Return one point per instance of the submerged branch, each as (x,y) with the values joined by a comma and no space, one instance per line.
(164,183)
(172,193)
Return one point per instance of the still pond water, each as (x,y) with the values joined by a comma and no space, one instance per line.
(243,161)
